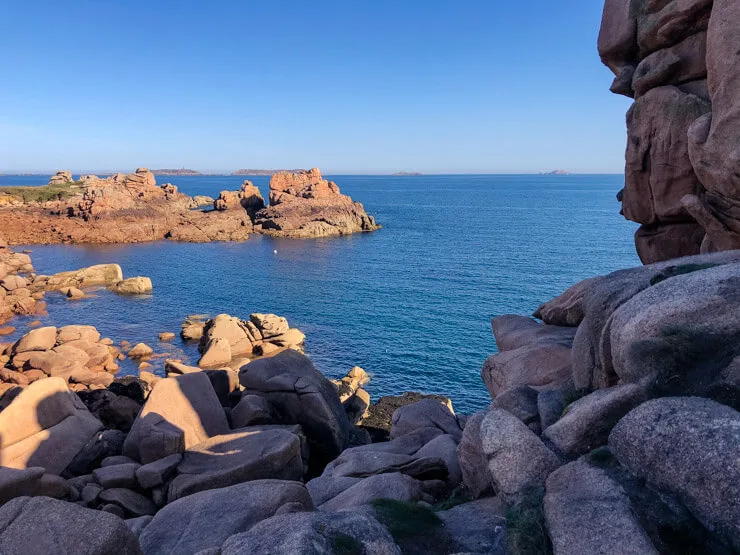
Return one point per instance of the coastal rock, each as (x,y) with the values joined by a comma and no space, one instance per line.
(133,286)
(51,441)
(227,511)
(689,446)
(477,527)
(587,512)
(301,395)
(45,525)
(427,413)
(62,177)
(32,482)
(40,339)
(140,350)
(567,308)
(378,418)
(313,532)
(303,204)
(158,472)
(100,274)
(252,410)
(181,412)
(380,486)
(133,503)
(472,460)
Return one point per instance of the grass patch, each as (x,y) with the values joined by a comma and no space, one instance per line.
(458,496)
(42,193)
(672,271)
(346,545)
(525,526)
(406,520)
(571,396)
(602,457)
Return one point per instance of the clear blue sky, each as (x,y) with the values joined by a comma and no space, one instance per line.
(368,87)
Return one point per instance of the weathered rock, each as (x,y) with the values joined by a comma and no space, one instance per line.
(30,482)
(40,339)
(567,308)
(686,61)
(104,444)
(380,486)
(117,476)
(539,366)
(250,411)
(75,333)
(478,526)
(517,459)
(180,412)
(689,446)
(166,336)
(217,353)
(140,350)
(133,286)
(550,405)
(513,332)
(269,325)
(136,525)
(426,413)
(100,274)
(617,43)
(228,511)
(589,420)
(471,458)
(521,401)
(243,455)
(313,532)
(133,503)
(46,425)
(158,472)
(587,512)
(45,525)
(378,418)
(301,395)
(230,329)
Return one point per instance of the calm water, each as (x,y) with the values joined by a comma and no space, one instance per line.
(410,303)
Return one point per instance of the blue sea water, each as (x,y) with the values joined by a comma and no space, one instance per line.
(411,303)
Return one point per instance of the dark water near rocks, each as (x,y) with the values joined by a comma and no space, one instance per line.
(410,303)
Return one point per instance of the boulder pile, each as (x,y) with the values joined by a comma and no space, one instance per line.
(678,60)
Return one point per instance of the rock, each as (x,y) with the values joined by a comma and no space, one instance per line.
(166,336)
(120,413)
(513,332)
(301,395)
(100,274)
(218,353)
(478,526)
(380,486)
(104,444)
(115,460)
(587,512)
(313,532)
(517,459)
(157,473)
(30,482)
(228,511)
(251,410)
(521,401)
(589,420)
(66,334)
(90,494)
(51,441)
(114,509)
(13,283)
(540,367)
(291,338)
(269,325)
(137,525)
(233,332)
(133,286)
(132,502)
(192,331)
(356,406)
(567,308)
(444,447)
(378,419)
(40,339)
(244,455)
(550,405)
(180,413)
(117,476)
(426,413)
(65,526)
(472,460)
(690,447)
(140,350)
(681,63)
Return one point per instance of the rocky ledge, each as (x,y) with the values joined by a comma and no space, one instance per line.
(132,208)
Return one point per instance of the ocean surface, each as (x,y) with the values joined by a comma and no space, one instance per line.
(411,303)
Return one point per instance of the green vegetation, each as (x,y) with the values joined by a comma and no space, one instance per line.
(42,193)
(346,545)
(672,271)
(570,397)
(406,520)
(602,457)
(458,496)
(525,525)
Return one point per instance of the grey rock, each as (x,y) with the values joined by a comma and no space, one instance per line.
(137,524)
(513,331)
(117,476)
(251,410)
(114,460)
(587,512)
(45,525)
(567,308)
(226,511)
(102,445)
(314,533)
(472,460)
(478,526)
(381,486)
(158,472)
(443,447)
(691,447)
(517,458)
(427,413)
(135,504)
(326,487)
(588,421)
(550,405)
(521,401)
(31,482)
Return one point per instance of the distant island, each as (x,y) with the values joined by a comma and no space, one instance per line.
(263,172)
(182,171)
(556,172)
(406,174)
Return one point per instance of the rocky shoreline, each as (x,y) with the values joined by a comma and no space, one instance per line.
(613,428)
(132,208)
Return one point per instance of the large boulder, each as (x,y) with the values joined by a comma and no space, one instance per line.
(133,286)
(471,458)
(100,274)
(40,339)
(255,453)
(478,526)
(314,532)
(230,329)
(46,425)
(30,482)
(181,412)
(301,395)
(223,512)
(567,308)
(587,512)
(392,485)
(427,413)
(44,525)
(517,458)
(691,447)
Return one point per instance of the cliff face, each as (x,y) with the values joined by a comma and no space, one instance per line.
(680,61)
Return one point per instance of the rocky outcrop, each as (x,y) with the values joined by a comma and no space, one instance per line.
(303,204)
(679,61)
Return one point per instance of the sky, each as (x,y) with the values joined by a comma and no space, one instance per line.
(350,87)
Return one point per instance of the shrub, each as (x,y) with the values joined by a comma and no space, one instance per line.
(525,525)
(672,271)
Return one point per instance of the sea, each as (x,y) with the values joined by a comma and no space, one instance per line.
(410,303)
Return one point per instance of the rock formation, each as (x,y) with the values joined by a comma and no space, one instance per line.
(679,61)
(303,204)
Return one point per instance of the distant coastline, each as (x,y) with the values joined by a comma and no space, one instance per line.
(556,172)
(262,172)
(182,171)
(406,174)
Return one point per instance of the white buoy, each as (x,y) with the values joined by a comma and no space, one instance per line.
(275,251)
